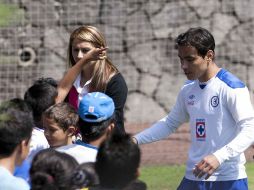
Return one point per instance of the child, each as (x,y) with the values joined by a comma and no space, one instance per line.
(117,164)
(40,96)
(52,170)
(96,123)
(60,123)
(16,124)
(85,176)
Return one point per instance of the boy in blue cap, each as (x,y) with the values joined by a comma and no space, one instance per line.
(96,123)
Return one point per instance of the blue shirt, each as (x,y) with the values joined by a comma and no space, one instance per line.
(22,171)
(10,182)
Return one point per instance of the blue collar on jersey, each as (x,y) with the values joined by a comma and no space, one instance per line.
(202,86)
(79,142)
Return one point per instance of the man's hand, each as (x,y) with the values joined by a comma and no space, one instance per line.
(134,140)
(206,166)
(253,147)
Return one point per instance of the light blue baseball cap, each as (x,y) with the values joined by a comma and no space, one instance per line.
(96,107)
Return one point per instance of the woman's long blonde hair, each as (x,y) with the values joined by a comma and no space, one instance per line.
(103,69)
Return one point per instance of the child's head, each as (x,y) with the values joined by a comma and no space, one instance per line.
(117,161)
(16,124)
(40,96)
(52,170)
(48,80)
(96,116)
(85,176)
(60,123)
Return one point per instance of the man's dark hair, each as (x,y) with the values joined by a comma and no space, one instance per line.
(93,131)
(40,96)
(16,124)
(199,38)
(117,161)
(63,114)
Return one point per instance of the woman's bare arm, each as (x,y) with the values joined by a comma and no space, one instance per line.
(68,79)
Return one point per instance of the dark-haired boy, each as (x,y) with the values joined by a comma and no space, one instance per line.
(60,124)
(117,164)
(40,96)
(16,124)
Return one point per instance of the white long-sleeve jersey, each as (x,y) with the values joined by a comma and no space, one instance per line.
(221,120)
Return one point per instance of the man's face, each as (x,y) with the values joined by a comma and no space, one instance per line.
(193,65)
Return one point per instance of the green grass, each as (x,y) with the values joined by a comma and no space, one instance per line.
(10,14)
(162,177)
(169,177)
(250,173)
(7,59)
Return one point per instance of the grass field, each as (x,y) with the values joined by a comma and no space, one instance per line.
(169,177)
(9,14)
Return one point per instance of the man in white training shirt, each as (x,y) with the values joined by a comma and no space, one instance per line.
(220,114)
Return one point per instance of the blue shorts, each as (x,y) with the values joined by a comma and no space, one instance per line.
(240,184)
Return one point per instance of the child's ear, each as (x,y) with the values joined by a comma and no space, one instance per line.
(71,131)
(24,145)
(23,150)
(111,127)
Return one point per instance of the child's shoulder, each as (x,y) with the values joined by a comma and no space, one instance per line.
(8,181)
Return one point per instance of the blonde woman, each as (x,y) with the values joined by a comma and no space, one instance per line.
(90,71)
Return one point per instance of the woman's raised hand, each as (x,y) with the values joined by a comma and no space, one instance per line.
(96,54)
